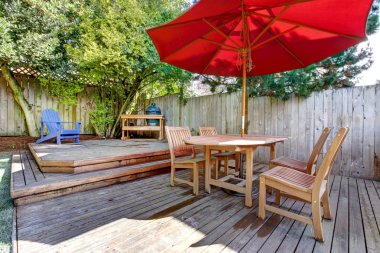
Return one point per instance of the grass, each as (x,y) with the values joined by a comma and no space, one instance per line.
(6,204)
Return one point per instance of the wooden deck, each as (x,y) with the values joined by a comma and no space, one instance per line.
(29,184)
(96,155)
(147,215)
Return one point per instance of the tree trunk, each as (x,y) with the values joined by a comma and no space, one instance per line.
(123,108)
(18,95)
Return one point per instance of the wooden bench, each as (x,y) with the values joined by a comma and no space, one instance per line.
(126,128)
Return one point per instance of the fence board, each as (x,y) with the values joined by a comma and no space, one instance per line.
(302,121)
(377,135)
(280,126)
(368,132)
(346,117)
(357,132)
(3,112)
(309,126)
(337,121)
(11,112)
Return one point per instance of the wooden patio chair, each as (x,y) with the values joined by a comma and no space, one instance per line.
(306,167)
(178,148)
(303,187)
(53,123)
(222,155)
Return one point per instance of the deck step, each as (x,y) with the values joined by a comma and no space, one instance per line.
(29,184)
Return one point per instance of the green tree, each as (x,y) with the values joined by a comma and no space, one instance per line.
(99,46)
(114,52)
(32,35)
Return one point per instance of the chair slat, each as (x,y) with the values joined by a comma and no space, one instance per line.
(306,167)
(207,131)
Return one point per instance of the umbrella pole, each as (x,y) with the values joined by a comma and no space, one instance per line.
(244,94)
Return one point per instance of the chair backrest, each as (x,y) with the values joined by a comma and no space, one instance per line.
(177,145)
(328,161)
(313,158)
(50,118)
(207,131)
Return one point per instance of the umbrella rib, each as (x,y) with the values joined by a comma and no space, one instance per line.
(279,5)
(268,26)
(253,47)
(194,41)
(217,51)
(220,44)
(280,43)
(220,32)
(309,26)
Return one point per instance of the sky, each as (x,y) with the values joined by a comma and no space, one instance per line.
(370,76)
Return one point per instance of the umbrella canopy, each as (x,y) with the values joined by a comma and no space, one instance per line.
(258,37)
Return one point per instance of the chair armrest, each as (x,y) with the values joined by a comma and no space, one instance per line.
(77,126)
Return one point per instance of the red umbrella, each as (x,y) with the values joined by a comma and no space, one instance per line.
(258,37)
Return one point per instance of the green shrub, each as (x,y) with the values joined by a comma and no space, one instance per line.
(101,117)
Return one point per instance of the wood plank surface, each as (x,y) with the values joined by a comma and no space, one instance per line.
(340,238)
(148,215)
(303,120)
(377,136)
(371,230)
(94,152)
(369,97)
(356,232)
(59,182)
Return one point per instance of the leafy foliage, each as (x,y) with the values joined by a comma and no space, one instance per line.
(65,92)
(33,34)
(114,51)
(101,116)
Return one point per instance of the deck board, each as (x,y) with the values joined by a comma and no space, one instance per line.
(371,231)
(340,238)
(356,235)
(328,225)
(147,215)
(38,175)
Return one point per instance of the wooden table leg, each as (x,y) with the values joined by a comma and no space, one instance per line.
(207,169)
(273,151)
(162,129)
(122,131)
(248,176)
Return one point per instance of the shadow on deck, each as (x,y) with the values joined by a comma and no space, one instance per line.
(147,215)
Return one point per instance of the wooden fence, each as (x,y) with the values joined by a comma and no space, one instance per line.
(301,119)
(12,121)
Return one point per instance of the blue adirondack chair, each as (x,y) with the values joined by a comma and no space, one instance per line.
(53,123)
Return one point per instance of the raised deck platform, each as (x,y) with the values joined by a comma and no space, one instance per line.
(29,184)
(96,155)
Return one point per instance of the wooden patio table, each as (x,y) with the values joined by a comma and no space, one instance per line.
(248,145)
